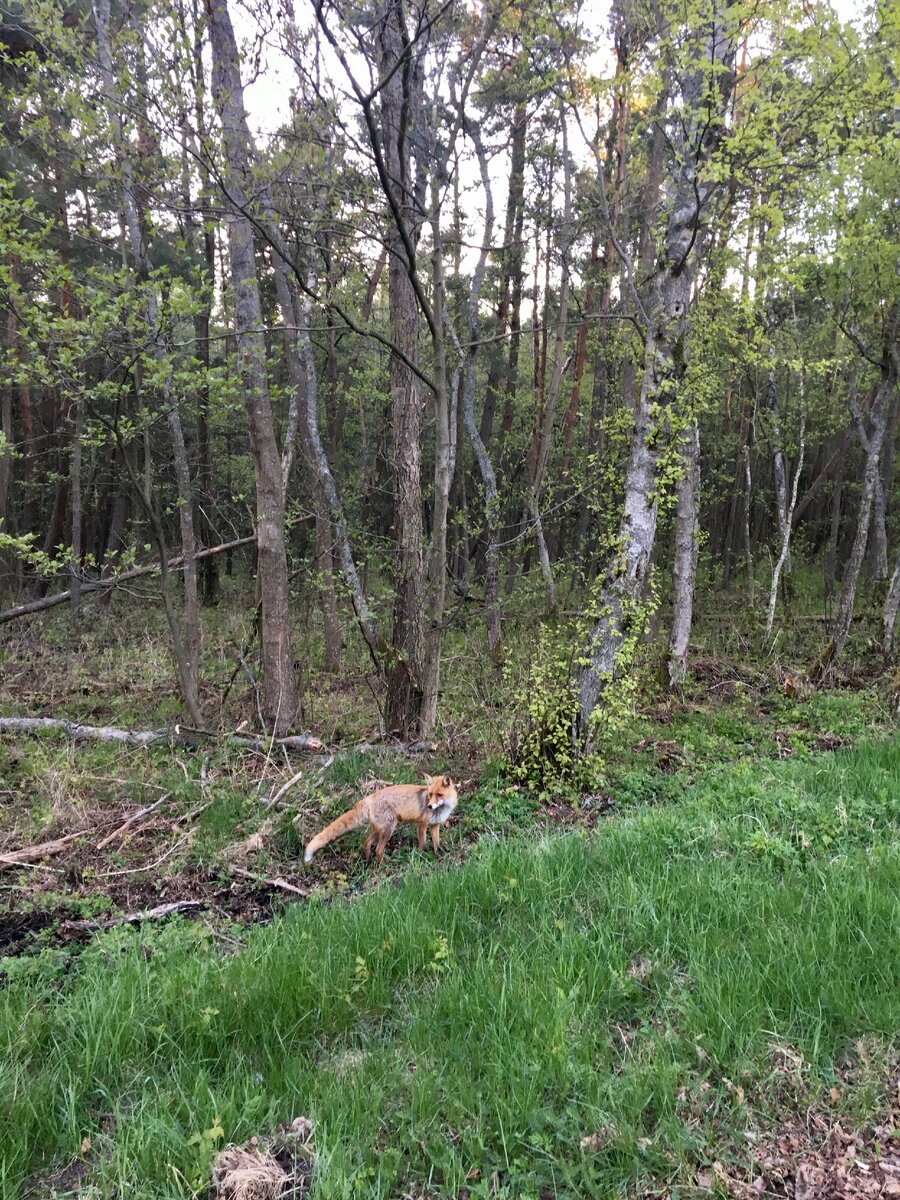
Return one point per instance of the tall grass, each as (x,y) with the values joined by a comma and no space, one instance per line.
(469,1027)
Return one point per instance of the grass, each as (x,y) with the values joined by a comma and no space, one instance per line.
(641,987)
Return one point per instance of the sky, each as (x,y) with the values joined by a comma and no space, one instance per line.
(267,96)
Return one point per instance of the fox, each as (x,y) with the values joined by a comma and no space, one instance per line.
(428,806)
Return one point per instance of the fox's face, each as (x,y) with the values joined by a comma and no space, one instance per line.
(441,788)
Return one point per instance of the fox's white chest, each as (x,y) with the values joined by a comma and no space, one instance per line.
(437,816)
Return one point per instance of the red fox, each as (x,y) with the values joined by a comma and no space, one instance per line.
(427,806)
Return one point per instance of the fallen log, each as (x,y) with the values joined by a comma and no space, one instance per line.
(80,733)
(145,737)
(105,585)
(134,918)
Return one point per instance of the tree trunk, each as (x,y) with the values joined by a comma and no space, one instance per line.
(204,240)
(835,527)
(872,442)
(131,208)
(326,483)
(705,97)
(783,557)
(280,702)
(517,273)
(482,458)
(444,467)
(7,564)
(778,460)
(891,608)
(687,545)
(878,550)
(543,436)
(400,103)
(299,364)
(76,511)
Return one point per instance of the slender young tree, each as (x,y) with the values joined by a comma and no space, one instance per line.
(280,703)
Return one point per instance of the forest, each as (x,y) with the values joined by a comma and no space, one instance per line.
(500,391)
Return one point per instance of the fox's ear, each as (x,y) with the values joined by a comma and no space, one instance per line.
(448,782)
(428,781)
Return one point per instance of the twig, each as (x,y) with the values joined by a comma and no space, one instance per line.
(278,883)
(132,820)
(150,866)
(105,585)
(283,789)
(195,812)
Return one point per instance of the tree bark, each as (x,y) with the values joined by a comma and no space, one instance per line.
(788,523)
(482,458)
(444,467)
(687,546)
(400,101)
(514,205)
(835,526)
(76,513)
(517,274)
(872,443)
(705,97)
(6,445)
(891,608)
(778,459)
(280,702)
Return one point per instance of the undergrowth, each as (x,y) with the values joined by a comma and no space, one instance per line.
(571,1015)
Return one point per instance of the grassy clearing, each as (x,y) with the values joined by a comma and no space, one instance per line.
(641,987)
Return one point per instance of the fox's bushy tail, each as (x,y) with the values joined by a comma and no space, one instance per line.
(352,819)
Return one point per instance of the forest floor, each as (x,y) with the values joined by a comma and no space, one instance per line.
(683,981)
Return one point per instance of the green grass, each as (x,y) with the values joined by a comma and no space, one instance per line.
(468,1027)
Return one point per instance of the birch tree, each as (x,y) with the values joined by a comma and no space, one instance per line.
(696,125)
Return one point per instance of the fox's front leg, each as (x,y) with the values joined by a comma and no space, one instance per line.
(435,837)
(423,825)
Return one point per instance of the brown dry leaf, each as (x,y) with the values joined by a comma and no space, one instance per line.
(704,1179)
(598,1140)
(810,1182)
(86,1144)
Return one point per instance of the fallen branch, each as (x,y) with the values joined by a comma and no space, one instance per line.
(284,789)
(276,883)
(297,741)
(150,914)
(30,854)
(79,733)
(105,585)
(133,820)
(128,737)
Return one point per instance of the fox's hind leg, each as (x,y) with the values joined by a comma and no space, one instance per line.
(384,836)
(370,842)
